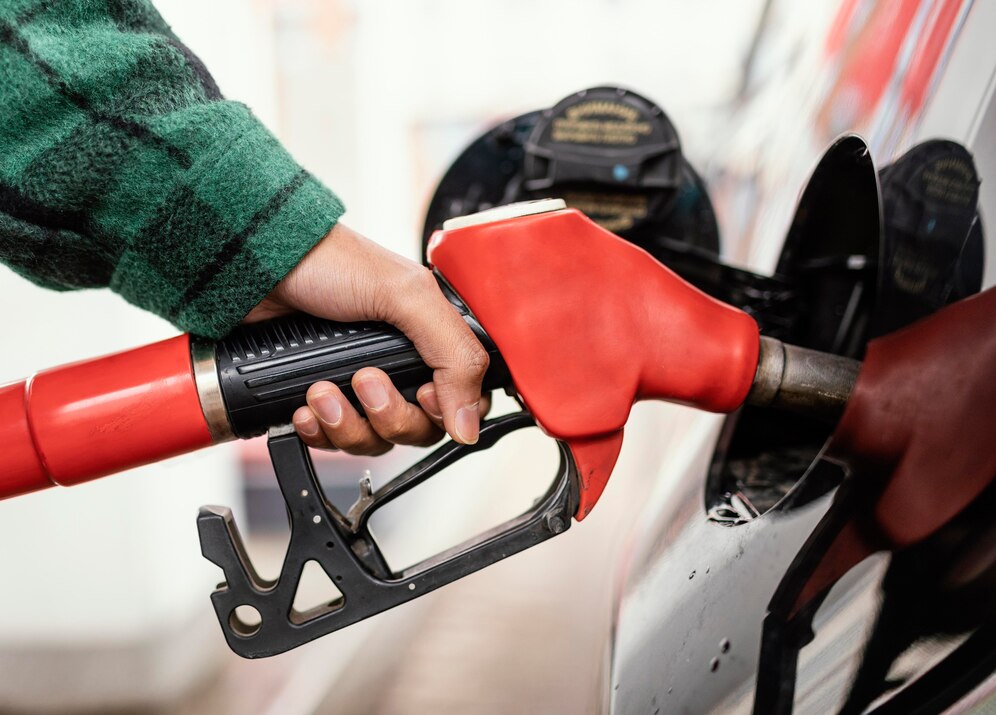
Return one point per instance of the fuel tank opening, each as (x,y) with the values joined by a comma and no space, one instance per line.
(865,255)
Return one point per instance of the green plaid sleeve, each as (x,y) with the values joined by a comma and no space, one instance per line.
(121,165)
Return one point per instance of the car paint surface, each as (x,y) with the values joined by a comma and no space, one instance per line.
(693,592)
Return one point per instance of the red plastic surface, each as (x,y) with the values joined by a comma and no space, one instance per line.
(21,470)
(595,458)
(589,323)
(101,416)
(921,418)
(917,435)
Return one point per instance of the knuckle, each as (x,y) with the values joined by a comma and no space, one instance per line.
(318,442)
(361,449)
(476,360)
(422,277)
(394,428)
(351,440)
(414,279)
(368,445)
(396,293)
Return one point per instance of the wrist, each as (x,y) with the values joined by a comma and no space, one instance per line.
(280,300)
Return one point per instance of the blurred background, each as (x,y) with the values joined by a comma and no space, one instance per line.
(105,595)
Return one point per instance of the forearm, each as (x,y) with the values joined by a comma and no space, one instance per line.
(121,165)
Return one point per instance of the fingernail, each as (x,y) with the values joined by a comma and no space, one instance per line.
(467,424)
(372,394)
(328,408)
(308,426)
(430,403)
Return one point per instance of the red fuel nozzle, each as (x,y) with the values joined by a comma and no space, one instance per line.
(589,323)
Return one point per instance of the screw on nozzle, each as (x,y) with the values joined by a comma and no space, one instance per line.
(555,524)
(355,514)
(366,484)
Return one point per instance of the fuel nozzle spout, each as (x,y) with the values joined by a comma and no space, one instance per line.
(804,381)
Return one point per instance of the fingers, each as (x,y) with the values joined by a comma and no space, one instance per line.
(347,277)
(330,420)
(426,397)
(309,429)
(389,414)
(447,345)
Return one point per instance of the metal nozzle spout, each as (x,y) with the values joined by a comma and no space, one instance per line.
(801,380)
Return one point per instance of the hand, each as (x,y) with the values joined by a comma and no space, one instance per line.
(347,277)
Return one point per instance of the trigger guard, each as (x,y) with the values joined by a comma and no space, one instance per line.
(345,550)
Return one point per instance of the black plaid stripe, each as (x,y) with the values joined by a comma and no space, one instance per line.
(19,206)
(276,244)
(194,64)
(160,81)
(93,151)
(11,37)
(31,11)
(204,311)
(234,247)
(184,235)
(137,16)
(54,258)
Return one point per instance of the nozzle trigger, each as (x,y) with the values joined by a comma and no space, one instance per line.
(344,548)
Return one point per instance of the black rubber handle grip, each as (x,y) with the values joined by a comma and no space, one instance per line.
(266,368)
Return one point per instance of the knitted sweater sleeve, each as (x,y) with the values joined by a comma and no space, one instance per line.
(121,165)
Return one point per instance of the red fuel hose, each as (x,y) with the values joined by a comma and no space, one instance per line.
(82,421)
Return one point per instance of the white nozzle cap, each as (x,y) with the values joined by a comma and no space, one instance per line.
(502,213)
